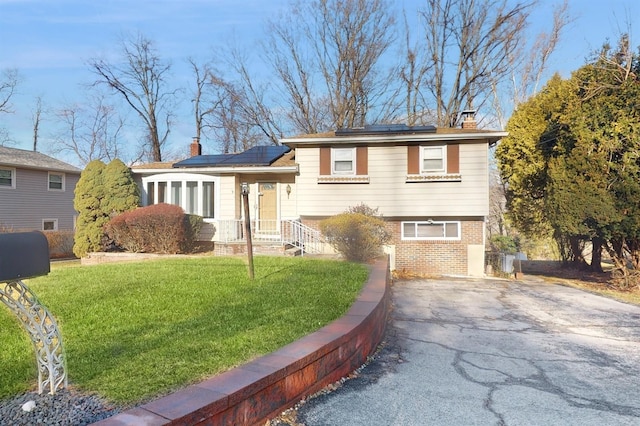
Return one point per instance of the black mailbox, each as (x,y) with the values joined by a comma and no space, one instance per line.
(23,255)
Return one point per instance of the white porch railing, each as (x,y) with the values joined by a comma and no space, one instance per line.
(290,232)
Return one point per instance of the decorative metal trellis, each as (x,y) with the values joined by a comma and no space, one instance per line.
(25,255)
(44,333)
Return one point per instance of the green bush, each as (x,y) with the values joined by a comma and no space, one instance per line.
(121,192)
(193,226)
(504,244)
(159,228)
(357,236)
(87,201)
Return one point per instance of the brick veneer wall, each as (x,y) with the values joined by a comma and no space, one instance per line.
(261,389)
(436,257)
(430,257)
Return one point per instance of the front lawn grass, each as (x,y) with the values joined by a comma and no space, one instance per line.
(134,331)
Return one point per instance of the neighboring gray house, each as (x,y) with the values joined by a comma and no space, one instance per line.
(36,191)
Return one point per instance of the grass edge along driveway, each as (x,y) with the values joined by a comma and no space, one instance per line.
(135,331)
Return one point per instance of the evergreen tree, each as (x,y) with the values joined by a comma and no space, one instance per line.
(572,159)
(121,192)
(88,202)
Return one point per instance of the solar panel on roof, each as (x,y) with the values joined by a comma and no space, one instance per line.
(374,129)
(256,156)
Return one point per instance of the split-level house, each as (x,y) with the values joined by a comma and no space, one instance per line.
(36,191)
(431,185)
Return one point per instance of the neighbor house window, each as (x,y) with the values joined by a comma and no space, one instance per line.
(56,181)
(432,159)
(430,230)
(343,161)
(8,178)
(50,224)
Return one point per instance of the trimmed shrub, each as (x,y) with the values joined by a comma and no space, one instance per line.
(60,244)
(193,226)
(159,228)
(87,201)
(357,236)
(121,192)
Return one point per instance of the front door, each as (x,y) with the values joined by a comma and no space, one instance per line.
(267,207)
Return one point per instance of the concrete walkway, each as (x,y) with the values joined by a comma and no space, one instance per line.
(495,352)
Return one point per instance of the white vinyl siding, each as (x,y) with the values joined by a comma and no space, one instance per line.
(388,190)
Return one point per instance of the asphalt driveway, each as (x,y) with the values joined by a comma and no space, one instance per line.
(495,352)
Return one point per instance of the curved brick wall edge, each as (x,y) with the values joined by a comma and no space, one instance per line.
(263,388)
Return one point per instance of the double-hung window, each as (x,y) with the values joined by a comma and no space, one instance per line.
(7,178)
(56,181)
(343,161)
(430,230)
(339,164)
(433,159)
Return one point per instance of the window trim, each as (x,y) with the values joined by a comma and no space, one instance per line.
(443,158)
(62,183)
(431,222)
(12,170)
(167,179)
(334,151)
(55,224)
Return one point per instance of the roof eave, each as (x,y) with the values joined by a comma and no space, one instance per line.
(491,137)
(221,170)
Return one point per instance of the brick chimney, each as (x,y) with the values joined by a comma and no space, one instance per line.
(196,148)
(469,119)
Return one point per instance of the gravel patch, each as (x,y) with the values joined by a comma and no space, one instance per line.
(65,408)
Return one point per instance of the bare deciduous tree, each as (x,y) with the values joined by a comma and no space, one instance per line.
(203,97)
(141,81)
(530,61)
(469,45)
(328,68)
(219,112)
(36,119)
(8,82)
(9,79)
(91,131)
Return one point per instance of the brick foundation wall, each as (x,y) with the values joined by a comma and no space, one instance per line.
(436,257)
(430,257)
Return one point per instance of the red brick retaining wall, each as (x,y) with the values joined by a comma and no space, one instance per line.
(261,389)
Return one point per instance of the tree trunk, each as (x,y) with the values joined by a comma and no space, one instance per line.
(596,254)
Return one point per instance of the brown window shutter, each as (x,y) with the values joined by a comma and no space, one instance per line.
(413,160)
(453,158)
(362,160)
(325,160)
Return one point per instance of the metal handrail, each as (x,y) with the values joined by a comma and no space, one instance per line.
(292,232)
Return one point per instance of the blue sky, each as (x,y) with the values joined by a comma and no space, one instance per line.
(50,41)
